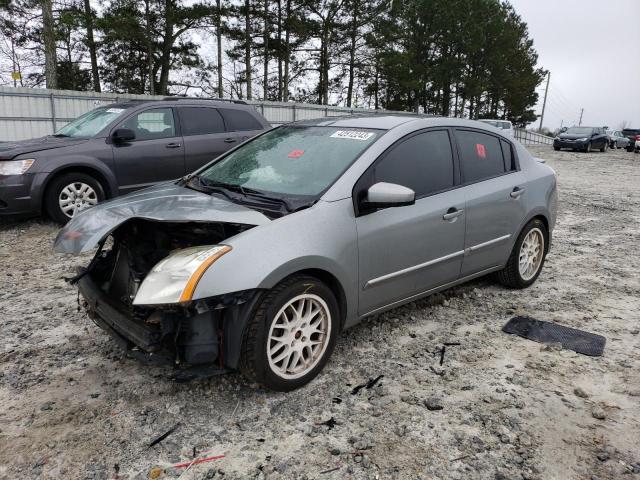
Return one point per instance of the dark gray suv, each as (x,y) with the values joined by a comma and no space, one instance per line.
(117,149)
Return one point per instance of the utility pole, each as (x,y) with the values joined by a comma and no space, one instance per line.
(581,112)
(544,103)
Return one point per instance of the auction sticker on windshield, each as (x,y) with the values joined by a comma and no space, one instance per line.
(352,134)
(115,110)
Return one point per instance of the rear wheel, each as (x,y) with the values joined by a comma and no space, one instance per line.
(290,338)
(527,258)
(605,145)
(71,193)
(556,148)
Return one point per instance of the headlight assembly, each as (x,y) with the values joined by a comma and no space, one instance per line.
(583,139)
(174,279)
(15,167)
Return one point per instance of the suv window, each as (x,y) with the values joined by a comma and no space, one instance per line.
(239,120)
(481,156)
(152,124)
(423,162)
(200,121)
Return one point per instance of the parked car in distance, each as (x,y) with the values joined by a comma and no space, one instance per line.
(582,138)
(504,125)
(618,140)
(260,259)
(116,149)
(633,134)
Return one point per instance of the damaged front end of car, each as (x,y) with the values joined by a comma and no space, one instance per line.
(139,289)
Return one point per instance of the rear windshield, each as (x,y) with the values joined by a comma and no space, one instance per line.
(292,160)
(631,131)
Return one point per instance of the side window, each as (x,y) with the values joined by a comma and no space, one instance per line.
(152,124)
(508,155)
(239,120)
(200,121)
(480,156)
(423,163)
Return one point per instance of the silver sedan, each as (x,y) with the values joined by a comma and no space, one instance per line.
(260,259)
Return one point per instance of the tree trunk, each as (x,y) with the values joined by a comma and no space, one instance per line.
(88,18)
(149,40)
(287,53)
(49,40)
(167,44)
(247,46)
(219,46)
(279,50)
(352,52)
(265,40)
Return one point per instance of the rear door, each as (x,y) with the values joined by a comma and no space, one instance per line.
(404,251)
(205,136)
(156,154)
(241,122)
(495,194)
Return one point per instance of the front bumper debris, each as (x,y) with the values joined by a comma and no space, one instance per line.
(206,334)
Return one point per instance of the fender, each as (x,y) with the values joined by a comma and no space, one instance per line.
(56,165)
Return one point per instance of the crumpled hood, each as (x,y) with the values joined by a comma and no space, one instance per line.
(9,150)
(165,203)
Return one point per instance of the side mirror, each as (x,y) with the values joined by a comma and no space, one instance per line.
(383,195)
(123,135)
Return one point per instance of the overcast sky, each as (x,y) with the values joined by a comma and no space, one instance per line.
(592,48)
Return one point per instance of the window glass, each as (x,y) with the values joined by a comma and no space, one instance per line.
(240,120)
(200,121)
(480,155)
(423,163)
(152,124)
(292,160)
(91,122)
(509,157)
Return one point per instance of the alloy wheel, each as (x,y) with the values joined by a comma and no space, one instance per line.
(531,253)
(299,336)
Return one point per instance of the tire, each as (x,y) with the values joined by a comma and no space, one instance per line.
(512,276)
(260,353)
(89,192)
(556,149)
(614,145)
(605,145)
(587,149)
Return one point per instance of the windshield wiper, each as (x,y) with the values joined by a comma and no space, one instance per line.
(248,193)
(59,135)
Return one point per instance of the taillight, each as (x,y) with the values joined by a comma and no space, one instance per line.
(638,138)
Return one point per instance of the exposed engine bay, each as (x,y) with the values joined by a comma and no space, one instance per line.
(183,334)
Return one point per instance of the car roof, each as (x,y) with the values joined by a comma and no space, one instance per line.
(171,101)
(391,121)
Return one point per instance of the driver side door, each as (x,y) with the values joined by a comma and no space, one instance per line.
(155,155)
(409,250)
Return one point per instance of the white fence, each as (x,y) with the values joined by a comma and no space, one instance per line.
(31,112)
(527,137)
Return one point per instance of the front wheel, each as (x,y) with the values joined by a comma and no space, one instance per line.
(556,148)
(527,258)
(614,145)
(70,193)
(587,149)
(290,338)
(605,145)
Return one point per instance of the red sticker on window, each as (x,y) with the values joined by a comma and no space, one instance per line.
(295,153)
(481,151)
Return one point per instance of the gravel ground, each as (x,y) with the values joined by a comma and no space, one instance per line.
(73,406)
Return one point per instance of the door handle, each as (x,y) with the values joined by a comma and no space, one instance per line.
(452,213)
(517,191)
(173,145)
(229,140)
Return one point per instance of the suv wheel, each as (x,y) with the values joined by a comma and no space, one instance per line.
(291,336)
(587,149)
(527,258)
(69,194)
(605,145)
